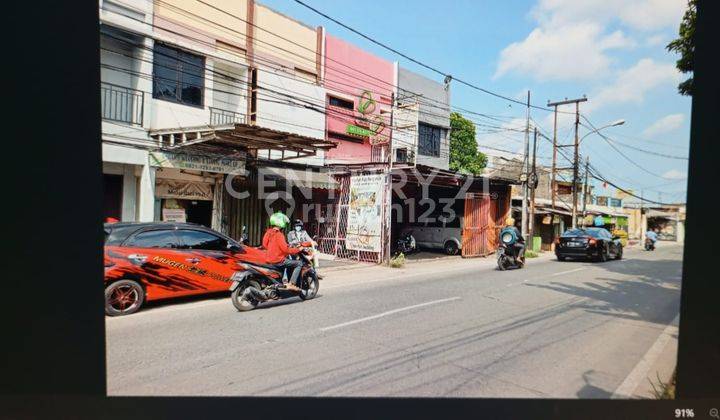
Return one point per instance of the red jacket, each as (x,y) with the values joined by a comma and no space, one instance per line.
(276,247)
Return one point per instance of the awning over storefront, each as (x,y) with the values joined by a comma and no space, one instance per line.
(657,213)
(237,136)
(300,178)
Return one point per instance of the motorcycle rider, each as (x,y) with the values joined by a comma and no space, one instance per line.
(278,251)
(519,245)
(299,235)
(652,236)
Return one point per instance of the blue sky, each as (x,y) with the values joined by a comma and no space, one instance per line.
(613,51)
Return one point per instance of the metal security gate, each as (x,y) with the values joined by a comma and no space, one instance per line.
(333,232)
(484,215)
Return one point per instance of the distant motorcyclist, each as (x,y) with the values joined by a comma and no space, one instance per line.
(278,251)
(519,245)
(651,236)
(298,236)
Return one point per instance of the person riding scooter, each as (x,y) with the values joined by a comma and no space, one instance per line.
(298,236)
(511,249)
(651,237)
(278,251)
(519,245)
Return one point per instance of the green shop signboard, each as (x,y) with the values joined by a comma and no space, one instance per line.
(358,131)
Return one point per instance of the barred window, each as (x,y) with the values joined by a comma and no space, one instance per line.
(429,138)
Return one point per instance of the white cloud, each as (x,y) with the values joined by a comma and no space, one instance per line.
(655,40)
(633,83)
(664,125)
(643,15)
(571,40)
(674,174)
(573,51)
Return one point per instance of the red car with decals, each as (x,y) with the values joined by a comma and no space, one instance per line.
(162,260)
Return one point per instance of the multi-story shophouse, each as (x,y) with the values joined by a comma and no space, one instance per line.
(425,108)
(195,96)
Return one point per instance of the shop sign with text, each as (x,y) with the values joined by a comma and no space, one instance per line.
(204,162)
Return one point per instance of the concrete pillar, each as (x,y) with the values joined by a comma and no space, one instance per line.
(146,194)
(145,84)
(129,194)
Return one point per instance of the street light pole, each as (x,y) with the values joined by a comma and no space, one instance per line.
(576,164)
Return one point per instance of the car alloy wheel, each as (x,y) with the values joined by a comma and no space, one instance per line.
(123,297)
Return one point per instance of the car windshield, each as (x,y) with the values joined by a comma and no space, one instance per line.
(570,233)
(573,232)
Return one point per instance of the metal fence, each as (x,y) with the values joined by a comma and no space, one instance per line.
(222,116)
(122,104)
(332,234)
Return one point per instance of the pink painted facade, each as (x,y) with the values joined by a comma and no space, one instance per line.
(367,81)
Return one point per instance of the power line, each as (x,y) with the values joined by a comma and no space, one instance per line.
(313,105)
(431,68)
(620,152)
(442,106)
(650,152)
(286,76)
(600,178)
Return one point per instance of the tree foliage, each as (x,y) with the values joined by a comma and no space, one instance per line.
(464,154)
(685,46)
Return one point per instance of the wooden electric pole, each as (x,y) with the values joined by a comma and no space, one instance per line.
(585,189)
(526,171)
(532,180)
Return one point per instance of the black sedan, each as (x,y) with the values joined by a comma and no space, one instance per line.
(593,243)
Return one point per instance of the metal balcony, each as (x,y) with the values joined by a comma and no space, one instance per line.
(121,104)
(221,116)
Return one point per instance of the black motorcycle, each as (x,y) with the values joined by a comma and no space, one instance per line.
(261,283)
(405,244)
(244,238)
(507,252)
(649,245)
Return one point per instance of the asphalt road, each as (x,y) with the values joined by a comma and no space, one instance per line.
(455,329)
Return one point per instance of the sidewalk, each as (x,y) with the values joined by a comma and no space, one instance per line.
(346,270)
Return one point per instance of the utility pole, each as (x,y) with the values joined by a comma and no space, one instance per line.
(532,178)
(576,154)
(585,188)
(526,164)
(554,161)
(643,219)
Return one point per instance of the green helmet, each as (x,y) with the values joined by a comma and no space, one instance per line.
(279,219)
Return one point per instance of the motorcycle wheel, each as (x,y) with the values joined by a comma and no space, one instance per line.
(503,263)
(310,286)
(247,304)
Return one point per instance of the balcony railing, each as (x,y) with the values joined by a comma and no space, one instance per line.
(221,116)
(122,104)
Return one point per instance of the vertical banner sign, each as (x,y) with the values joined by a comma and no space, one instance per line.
(364,221)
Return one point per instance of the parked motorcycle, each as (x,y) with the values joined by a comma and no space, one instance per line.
(261,283)
(405,244)
(649,245)
(507,252)
(244,238)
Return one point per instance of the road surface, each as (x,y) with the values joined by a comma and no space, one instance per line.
(455,328)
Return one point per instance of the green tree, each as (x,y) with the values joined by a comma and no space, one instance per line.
(685,46)
(464,154)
